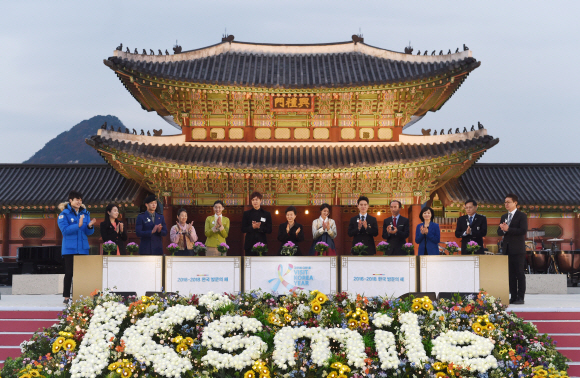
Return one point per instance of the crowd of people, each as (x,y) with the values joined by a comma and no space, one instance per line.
(150,227)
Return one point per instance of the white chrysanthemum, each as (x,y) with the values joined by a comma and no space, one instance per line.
(477,355)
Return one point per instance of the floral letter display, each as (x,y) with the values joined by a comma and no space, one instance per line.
(303,334)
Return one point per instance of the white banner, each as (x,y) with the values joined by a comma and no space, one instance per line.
(379,275)
(457,274)
(133,273)
(198,275)
(284,274)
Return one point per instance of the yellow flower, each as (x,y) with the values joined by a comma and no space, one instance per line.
(34,373)
(477,328)
(364,318)
(59,340)
(181,348)
(177,339)
(314,292)
(417,307)
(440,375)
(66,334)
(352,323)
(336,365)
(188,341)
(264,371)
(332,374)
(321,298)
(114,366)
(418,300)
(250,374)
(344,369)
(287,317)
(126,373)
(25,376)
(427,306)
(315,307)
(439,366)
(342,376)
(69,345)
(265,375)
(542,373)
(56,347)
(490,327)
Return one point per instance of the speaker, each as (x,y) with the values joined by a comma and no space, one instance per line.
(431,295)
(125,294)
(450,295)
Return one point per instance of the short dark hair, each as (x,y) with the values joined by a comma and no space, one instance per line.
(181,211)
(512,196)
(220,202)
(324,206)
(109,208)
(291,208)
(74,194)
(362,198)
(397,201)
(255,194)
(472,201)
(424,210)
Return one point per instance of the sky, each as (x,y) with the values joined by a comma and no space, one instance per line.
(52,73)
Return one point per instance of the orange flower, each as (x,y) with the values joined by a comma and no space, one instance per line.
(95,292)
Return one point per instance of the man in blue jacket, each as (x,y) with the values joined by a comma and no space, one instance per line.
(74,224)
(151,228)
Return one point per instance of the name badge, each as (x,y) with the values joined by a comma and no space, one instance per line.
(477,228)
(148,220)
(262,219)
(72,220)
(213,222)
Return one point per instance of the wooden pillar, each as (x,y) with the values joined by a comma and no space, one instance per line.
(170,220)
(6,235)
(339,240)
(576,236)
(414,211)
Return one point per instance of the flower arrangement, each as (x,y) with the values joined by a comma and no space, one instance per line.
(303,334)
(472,247)
(321,248)
(451,247)
(358,249)
(260,248)
(199,248)
(223,249)
(172,248)
(109,247)
(289,249)
(408,248)
(132,248)
(383,247)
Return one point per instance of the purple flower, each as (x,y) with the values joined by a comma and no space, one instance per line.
(258,244)
(472,244)
(322,244)
(383,243)
(199,244)
(359,245)
(173,245)
(408,245)
(132,244)
(290,245)
(224,245)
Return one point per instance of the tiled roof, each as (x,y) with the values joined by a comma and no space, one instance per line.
(534,184)
(275,156)
(49,184)
(296,66)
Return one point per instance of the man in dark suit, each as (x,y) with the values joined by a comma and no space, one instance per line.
(471,227)
(513,227)
(396,230)
(363,227)
(256,224)
(150,227)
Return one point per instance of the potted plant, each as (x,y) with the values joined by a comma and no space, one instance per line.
(109,247)
(260,248)
(451,247)
(321,248)
(359,249)
(199,248)
(289,249)
(383,247)
(472,247)
(172,248)
(409,248)
(223,249)
(132,248)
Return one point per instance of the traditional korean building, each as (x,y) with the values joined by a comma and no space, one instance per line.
(304,125)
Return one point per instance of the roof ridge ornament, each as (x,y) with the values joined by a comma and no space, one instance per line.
(176,49)
(409,49)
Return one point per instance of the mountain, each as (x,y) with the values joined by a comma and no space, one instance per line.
(70,146)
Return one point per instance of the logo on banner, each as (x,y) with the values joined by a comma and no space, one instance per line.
(280,279)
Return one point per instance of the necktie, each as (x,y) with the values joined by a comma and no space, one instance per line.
(470,221)
(394,221)
(509,220)
(363,218)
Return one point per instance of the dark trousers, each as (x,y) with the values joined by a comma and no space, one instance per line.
(517,275)
(68,274)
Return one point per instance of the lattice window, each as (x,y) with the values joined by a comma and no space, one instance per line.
(263,133)
(217,133)
(366,133)
(347,133)
(385,133)
(236,133)
(552,231)
(321,133)
(282,133)
(198,134)
(32,232)
(301,133)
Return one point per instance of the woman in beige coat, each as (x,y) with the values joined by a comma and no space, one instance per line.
(324,230)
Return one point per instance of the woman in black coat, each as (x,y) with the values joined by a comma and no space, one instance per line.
(290,231)
(113,229)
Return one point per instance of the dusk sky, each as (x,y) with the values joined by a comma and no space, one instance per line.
(53,76)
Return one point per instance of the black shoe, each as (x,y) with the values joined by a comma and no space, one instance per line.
(512,301)
(519,301)
(66,301)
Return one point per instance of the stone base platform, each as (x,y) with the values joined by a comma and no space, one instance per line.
(546,284)
(37,284)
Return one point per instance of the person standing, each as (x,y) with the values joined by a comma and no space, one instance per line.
(513,227)
(112,229)
(290,231)
(428,233)
(183,234)
(364,227)
(217,229)
(396,230)
(73,222)
(471,227)
(151,228)
(324,230)
(256,224)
